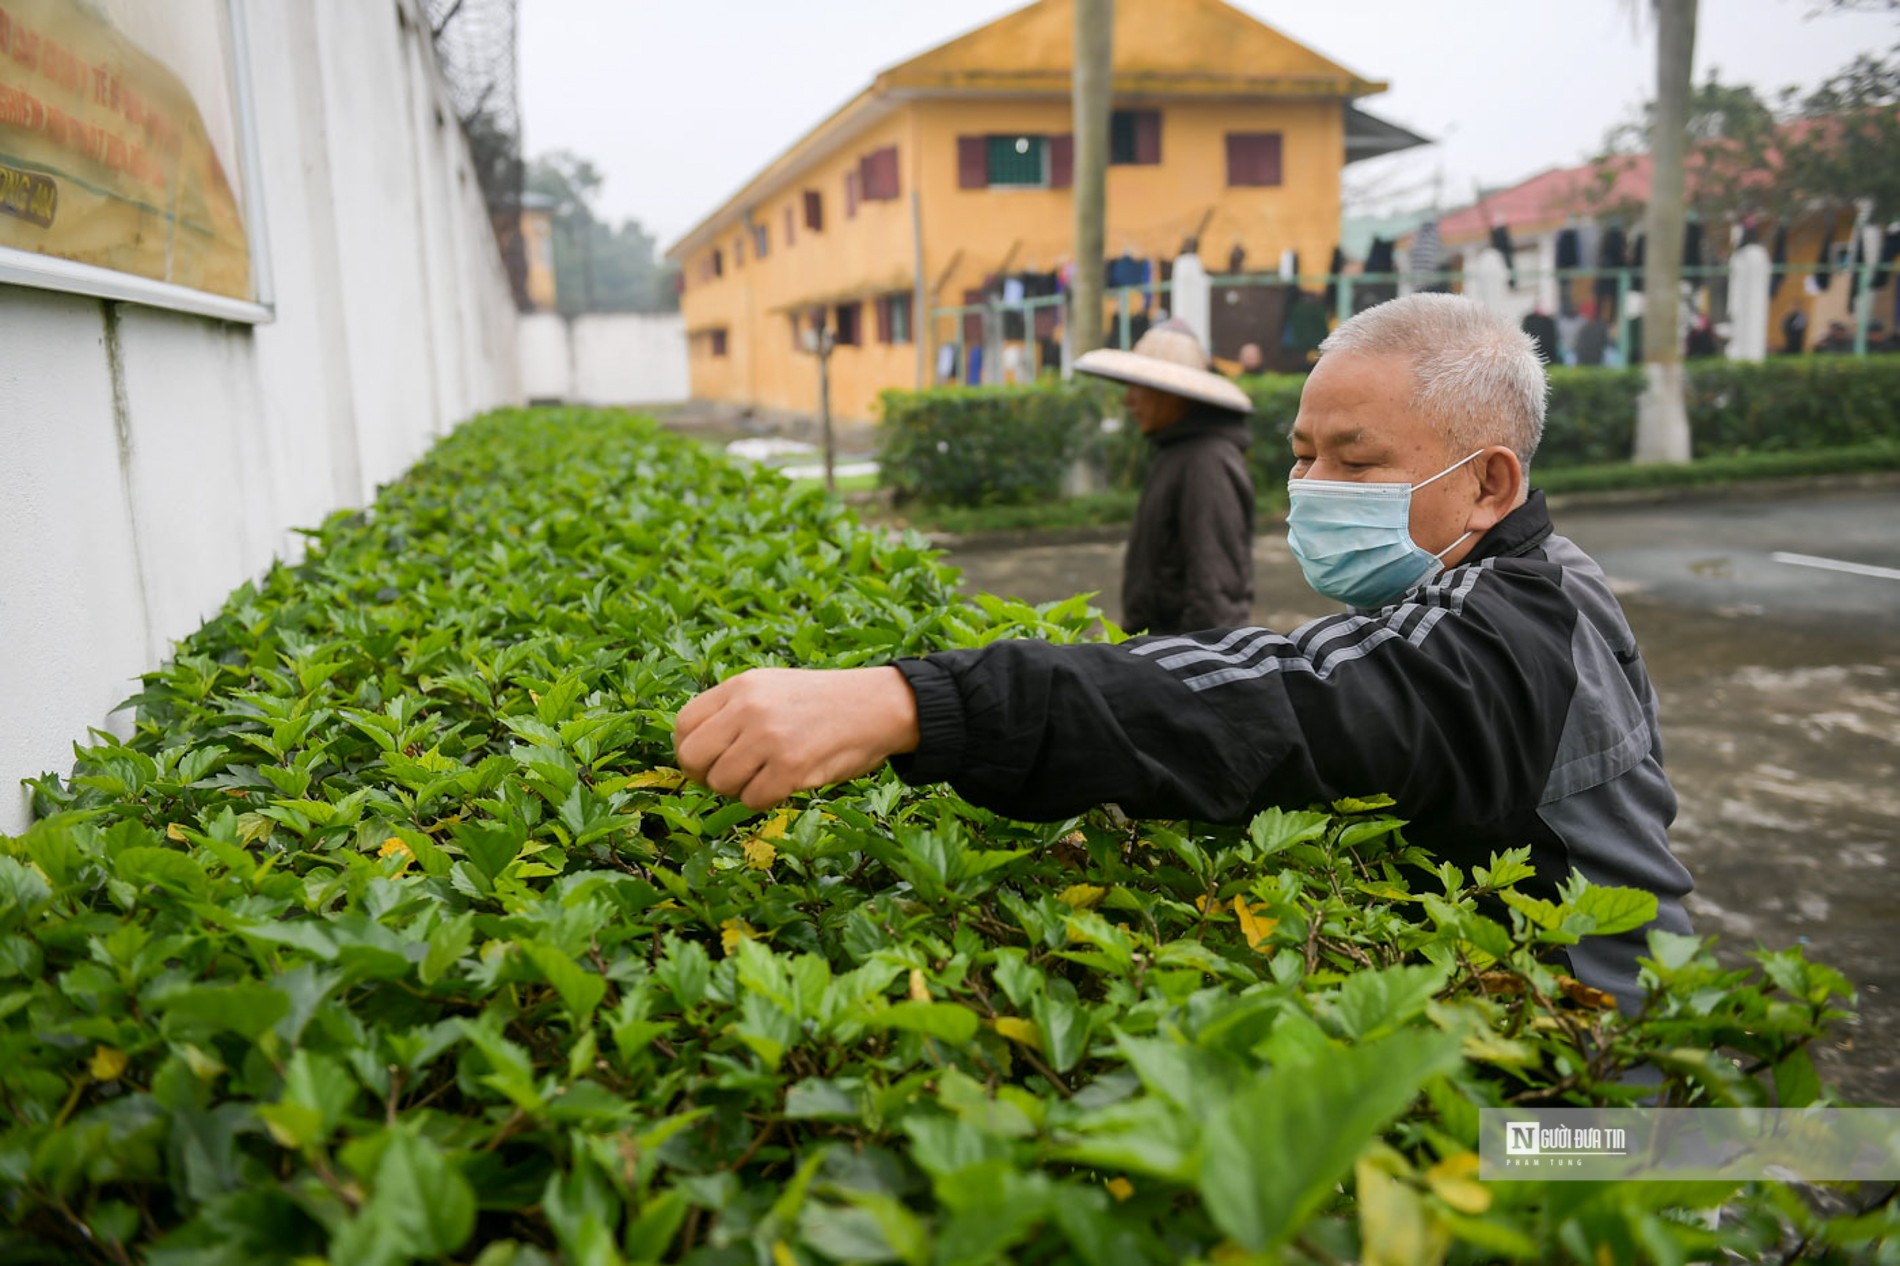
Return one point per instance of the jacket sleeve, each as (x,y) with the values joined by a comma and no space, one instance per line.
(1216,532)
(1452,704)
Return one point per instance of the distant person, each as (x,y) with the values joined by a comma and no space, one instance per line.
(1879,340)
(1701,341)
(1190,553)
(1839,339)
(1252,360)
(1592,338)
(1794,332)
(1543,331)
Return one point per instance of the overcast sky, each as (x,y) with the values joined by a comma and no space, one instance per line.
(679,102)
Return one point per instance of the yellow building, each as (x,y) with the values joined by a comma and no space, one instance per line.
(537,243)
(954,168)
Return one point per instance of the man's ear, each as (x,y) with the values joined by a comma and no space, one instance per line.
(1500,487)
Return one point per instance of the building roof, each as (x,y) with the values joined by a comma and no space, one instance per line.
(1547,198)
(1206,48)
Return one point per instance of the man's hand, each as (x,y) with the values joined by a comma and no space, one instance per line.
(769,732)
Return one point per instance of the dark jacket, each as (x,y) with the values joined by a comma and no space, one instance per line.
(1190,554)
(1502,703)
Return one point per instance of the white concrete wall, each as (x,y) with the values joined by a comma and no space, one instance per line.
(604,358)
(151,461)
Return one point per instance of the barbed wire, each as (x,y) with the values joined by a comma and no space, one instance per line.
(475,47)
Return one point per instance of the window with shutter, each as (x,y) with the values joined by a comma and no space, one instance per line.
(790,227)
(900,305)
(1253,158)
(850,195)
(1019,161)
(718,343)
(1134,138)
(846,320)
(738,251)
(814,211)
(718,264)
(1061,161)
(761,241)
(883,310)
(973,162)
(877,175)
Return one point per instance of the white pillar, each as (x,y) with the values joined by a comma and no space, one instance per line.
(1748,303)
(1192,299)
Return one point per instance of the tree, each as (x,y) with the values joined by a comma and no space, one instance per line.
(1093,86)
(597,267)
(1845,136)
(1662,417)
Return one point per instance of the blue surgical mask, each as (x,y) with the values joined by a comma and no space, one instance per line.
(1354,540)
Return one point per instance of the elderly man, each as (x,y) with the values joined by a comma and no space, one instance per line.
(1486,678)
(1190,553)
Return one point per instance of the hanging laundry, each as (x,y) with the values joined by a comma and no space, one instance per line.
(1426,248)
(1501,243)
(1569,250)
(1777,259)
(947,361)
(1822,273)
(1012,290)
(1889,252)
(1379,257)
(1330,296)
(1611,258)
(1289,265)
(1237,258)
(974,376)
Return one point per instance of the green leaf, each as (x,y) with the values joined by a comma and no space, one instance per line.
(1275,829)
(581,989)
(447,944)
(1373,1003)
(1615,909)
(1273,1156)
(949,1021)
(420,1199)
(247,1009)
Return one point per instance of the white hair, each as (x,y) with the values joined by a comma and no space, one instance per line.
(1480,379)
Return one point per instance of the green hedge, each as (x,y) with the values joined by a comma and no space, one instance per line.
(984,445)
(389,936)
(1025,436)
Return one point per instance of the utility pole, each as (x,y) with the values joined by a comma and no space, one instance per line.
(820,342)
(1092,87)
(1662,416)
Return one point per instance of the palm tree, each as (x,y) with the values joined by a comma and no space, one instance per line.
(1662,416)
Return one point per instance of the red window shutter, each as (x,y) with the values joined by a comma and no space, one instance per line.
(883,318)
(1061,161)
(972,321)
(814,211)
(1148,136)
(973,162)
(850,194)
(877,175)
(790,227)
(1253,158)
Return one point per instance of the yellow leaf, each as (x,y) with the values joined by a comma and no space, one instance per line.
(776,826)
(1585,995)
(1254,928)
(107,1063)
(536,696)
(759,853)
(175,832)
(1452,1180)
(919,988)
(1082,896)
(1394,1229)
(1022,1032)
(664,777)
(733,931)
(782,1254)
(392,847)
(1120,1188)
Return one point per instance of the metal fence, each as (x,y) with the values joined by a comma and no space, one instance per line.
(995,341)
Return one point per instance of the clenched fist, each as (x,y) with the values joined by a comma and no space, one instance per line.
(769,732)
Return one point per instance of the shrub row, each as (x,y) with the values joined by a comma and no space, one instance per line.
(976,446)
(389,936)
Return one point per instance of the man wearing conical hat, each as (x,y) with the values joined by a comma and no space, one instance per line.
(1190,555)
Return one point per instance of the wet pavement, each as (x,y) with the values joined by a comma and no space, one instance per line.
(1780,686)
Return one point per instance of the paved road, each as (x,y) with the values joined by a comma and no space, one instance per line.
(1780,688)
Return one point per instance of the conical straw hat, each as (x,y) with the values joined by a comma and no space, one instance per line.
(1168,358)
